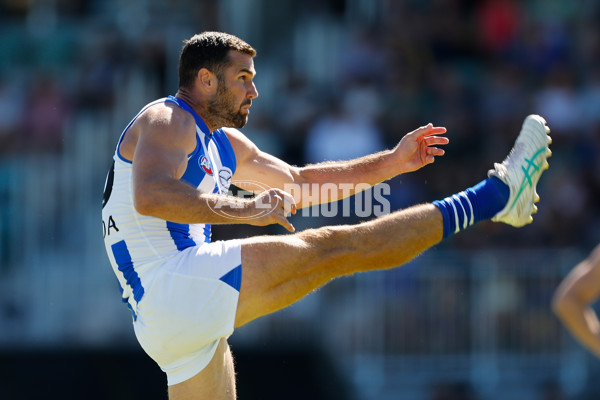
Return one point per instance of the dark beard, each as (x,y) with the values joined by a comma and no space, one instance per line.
(223,112)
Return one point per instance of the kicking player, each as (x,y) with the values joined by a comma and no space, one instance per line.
(172,169)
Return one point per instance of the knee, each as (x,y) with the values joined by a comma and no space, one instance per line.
(326,238)
(330,244)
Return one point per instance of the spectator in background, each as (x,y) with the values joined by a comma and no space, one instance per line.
(299,96)
(11,108)
(101,68)
(352,123)
(364,58)
(507,102)
(558,99)
(47,114)
(588,102)
(498,24)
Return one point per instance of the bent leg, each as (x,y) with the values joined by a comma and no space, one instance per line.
(279,270)
(216,381)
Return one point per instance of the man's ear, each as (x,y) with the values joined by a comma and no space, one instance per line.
(206,80)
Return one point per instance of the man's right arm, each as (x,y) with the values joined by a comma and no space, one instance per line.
(165,137)
(573,298)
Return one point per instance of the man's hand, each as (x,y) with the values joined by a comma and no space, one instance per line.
(417,148)
(272,206)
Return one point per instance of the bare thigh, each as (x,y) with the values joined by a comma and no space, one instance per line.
(279,270)
(215,382)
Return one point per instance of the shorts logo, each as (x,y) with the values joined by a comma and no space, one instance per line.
(206,165)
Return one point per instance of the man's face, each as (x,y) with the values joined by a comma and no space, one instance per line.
(235,91)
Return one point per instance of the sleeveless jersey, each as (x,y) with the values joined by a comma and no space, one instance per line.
(136,243)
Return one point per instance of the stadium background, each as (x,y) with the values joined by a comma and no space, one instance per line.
(470,319)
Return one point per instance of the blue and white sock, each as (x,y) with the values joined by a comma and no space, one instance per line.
(472,205)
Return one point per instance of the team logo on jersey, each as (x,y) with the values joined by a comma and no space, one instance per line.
(206,165)
(225,175)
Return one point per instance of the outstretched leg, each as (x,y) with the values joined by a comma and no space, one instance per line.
(279,270)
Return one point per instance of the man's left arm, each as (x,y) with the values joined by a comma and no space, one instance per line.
(257,170)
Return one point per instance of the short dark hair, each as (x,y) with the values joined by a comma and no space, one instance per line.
(208,50)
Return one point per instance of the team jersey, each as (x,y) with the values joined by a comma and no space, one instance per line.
(136,243)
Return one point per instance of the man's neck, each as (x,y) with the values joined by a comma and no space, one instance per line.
(184,95)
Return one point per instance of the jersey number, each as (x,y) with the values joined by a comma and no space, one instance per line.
(108,185)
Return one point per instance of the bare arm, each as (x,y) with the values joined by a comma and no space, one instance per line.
(573,298)
(415,150)
(165,137)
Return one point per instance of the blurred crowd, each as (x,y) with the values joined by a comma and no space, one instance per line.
(476,67)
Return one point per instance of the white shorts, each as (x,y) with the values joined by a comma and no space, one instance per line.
(189,306)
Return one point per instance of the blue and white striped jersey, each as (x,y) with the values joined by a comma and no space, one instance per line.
(134,242)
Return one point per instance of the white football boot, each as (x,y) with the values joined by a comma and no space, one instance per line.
(521,171)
